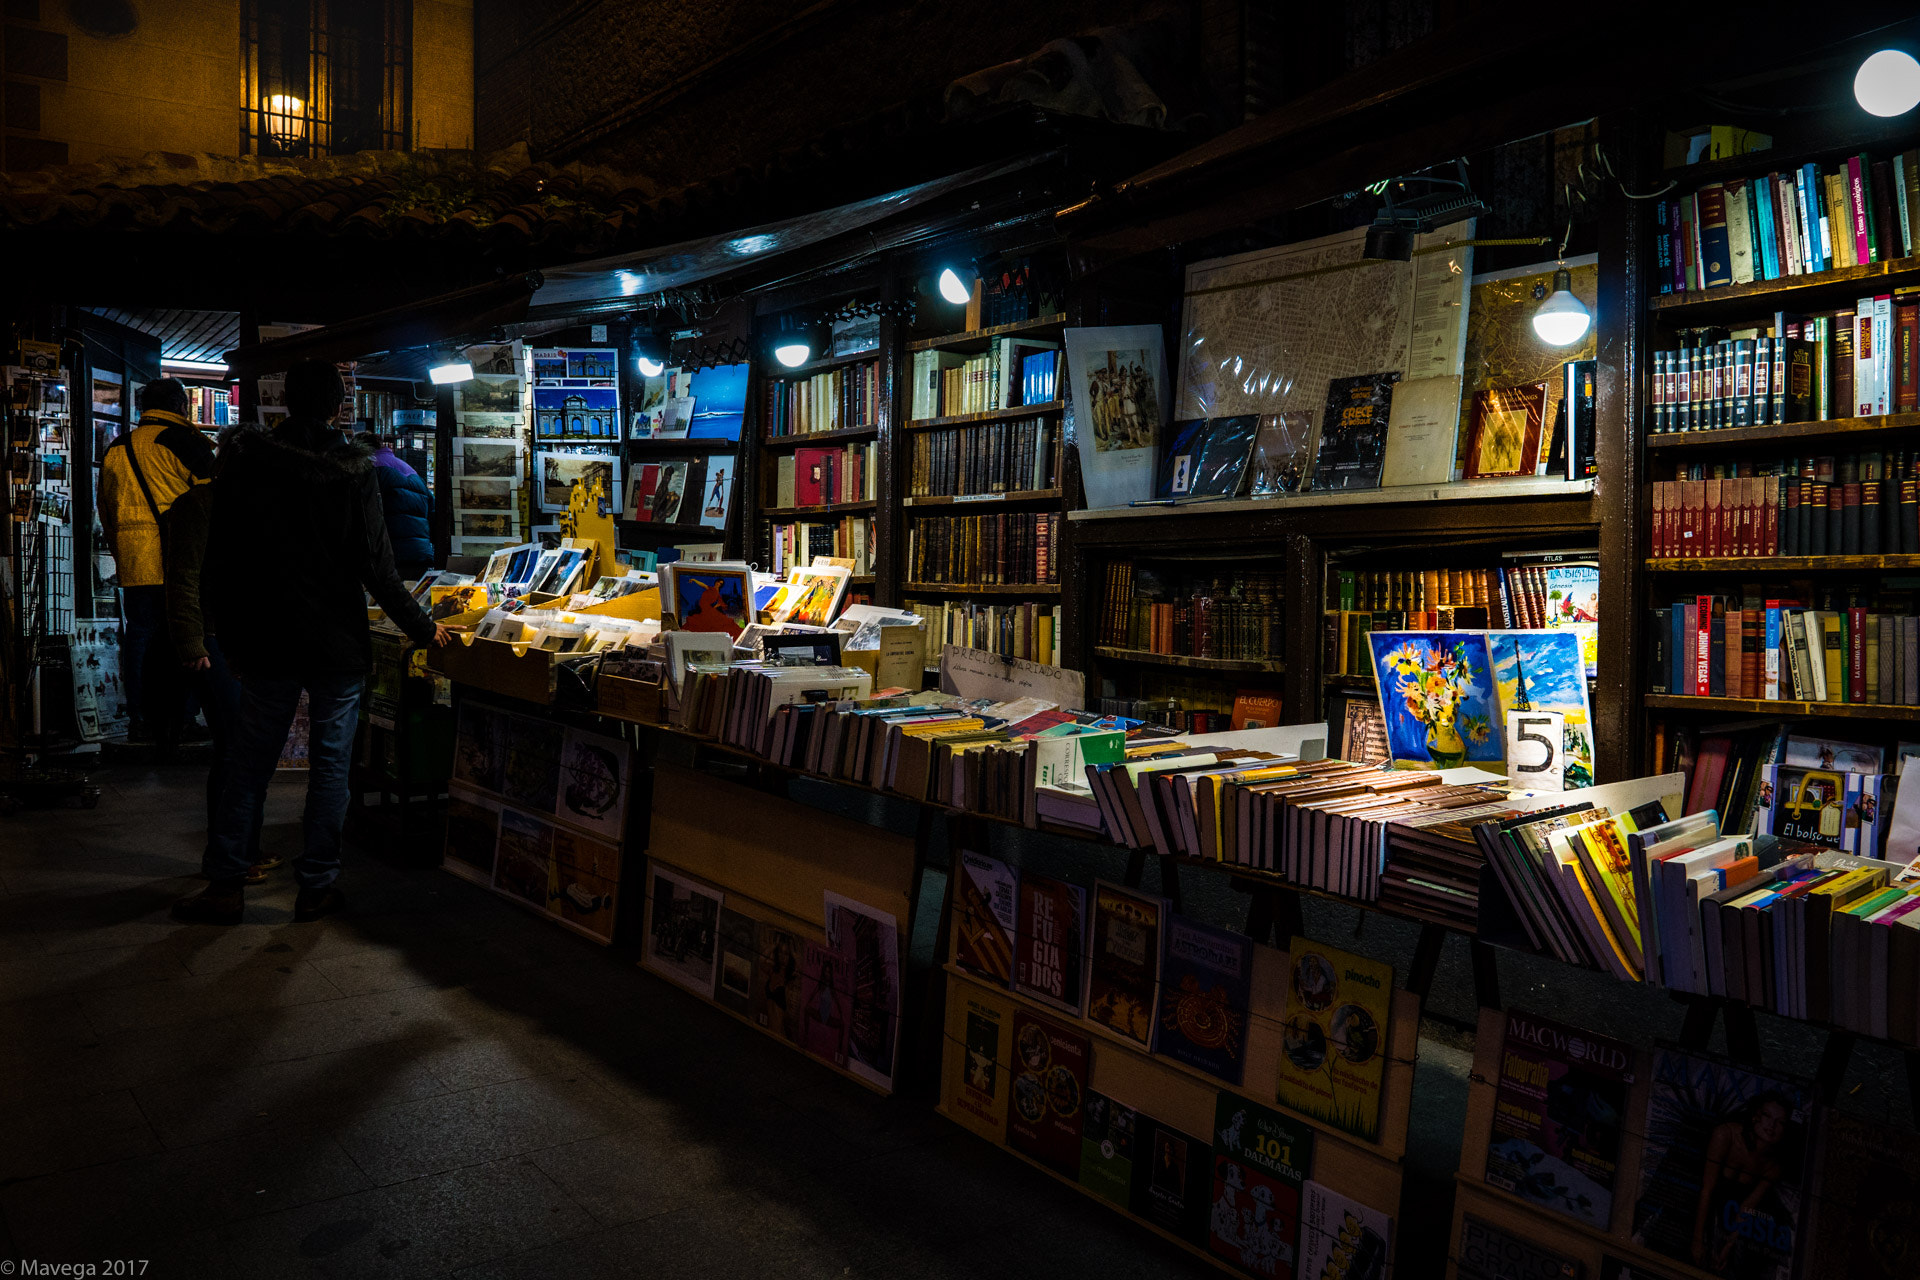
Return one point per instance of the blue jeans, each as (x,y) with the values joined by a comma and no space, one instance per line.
(218,691)
(267,707)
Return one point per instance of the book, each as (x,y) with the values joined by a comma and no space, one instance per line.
(1049,1092)
(826,1003)
(1172,1179)
(1722,1167)
(981,1026)
(1353,432)
(776,1004)
(1559,1113)
(1206,457)
(1421,428)
(739,949)
(1341,1238)
(1123,966)
(986,913)
(1489,1253)
(868,942)
(1333,1062)
(1505,439)
(682,930)
(1283,451)
(1108,1133)
(1260,1162)
(1049,945)
(1206,986)
(1866,1181)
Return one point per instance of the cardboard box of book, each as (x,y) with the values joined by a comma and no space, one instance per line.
(524,671)
(637,691)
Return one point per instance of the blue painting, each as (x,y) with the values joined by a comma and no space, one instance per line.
(1438,698)
(1547,671)
(719,402)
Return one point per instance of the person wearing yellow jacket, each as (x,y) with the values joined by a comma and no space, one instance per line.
(141,476)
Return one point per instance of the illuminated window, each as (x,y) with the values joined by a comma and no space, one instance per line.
(325,77)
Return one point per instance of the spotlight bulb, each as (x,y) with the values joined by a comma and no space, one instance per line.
(953,288)
(1562,319)
(1888,83)
(792,354)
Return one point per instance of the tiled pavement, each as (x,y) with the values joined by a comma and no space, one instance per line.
(440,1084)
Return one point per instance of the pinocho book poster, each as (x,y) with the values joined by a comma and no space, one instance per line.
(1721,1175)
(1049,1092)
(1334,1051)
(1260,1160)
(1559,1111)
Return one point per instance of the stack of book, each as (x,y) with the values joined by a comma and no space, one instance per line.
(997,550)
(995,457)
(1551,590)
(1857,362)
(830,401)
(1848,504)
(1233,614)
(1844,650)
(1800,222)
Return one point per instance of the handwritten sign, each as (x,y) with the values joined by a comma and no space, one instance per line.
(976,673)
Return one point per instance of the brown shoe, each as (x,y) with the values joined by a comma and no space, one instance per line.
(257,873)
(312,904)
(221,902)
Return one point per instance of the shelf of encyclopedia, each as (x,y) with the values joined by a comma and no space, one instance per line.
(1763,706)
(988,415)
(1149,657)
(971,499)
(984,589)
(979,339)
(833,509)
(1361,1158)
(1805,292)
(1671,441)
(800,439)
(1783,564)
(1457,491)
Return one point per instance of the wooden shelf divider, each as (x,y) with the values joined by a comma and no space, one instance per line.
(1724,436)
(1730,299)
(1766,707)
(988,415)
(979,499)
(979,338)
(801,439)
(1116,654)
(833,509)
(995,589)
(1783,564)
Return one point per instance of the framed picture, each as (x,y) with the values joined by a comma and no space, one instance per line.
(490,393)
(557,473)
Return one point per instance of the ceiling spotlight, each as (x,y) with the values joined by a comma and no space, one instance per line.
(792,354)
(449,367)
(650,348)
(793,338)
(1562,319)
(1888,83)
(953,288)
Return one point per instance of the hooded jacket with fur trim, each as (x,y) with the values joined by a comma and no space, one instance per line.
(296,532)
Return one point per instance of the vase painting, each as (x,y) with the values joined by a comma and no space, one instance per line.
(1438,697)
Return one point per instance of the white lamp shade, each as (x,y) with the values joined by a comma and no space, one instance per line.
(953,288)
(453,371)
(1561,318)
(1888,83)
(792,354)
(650,368)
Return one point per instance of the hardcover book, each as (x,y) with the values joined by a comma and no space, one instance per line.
(1721,1172)
(1488,1253)
(1049,1093)
(1353,435)
(985,916)
(1123,971)
(1049,948)
(1260,1160)
(1107,1137)
(1334,1058)
(1172,1179)
(1206,987)
(1505,439)
(1559,1112)
(1340,1238)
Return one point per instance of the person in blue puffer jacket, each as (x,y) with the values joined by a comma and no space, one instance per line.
(407,504)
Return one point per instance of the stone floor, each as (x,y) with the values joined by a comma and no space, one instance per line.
(440,1084)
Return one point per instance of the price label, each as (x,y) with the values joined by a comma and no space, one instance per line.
(979,497)
(1536,746)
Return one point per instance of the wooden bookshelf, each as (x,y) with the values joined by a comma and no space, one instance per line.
(1149,658)
(1766,707)
(801,439)
(830,509)
(1785,564)
(995,589)
(979,339)
(1814,292)
(1670,441)
(982,499)
(990,415)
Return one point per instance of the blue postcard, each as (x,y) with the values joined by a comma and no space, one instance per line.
(1547,671)
(719,402)
(576,413)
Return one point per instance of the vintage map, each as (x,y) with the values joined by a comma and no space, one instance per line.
(1265,332)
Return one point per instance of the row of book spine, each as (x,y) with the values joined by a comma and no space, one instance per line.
(819,477)
(1012,371)
(795,544)
(1003,549)
(1800,222)
(1026,630)
(834,400)
(1202,627)
(1786,515)
(993,457)
(1514,595)
(1709,647)
(1857,363)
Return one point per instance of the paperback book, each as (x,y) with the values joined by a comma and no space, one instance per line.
(985,916)
(974,1088)
(1049,1093)
(1207,987)
(1172,1179)
(1260,1160)
(1123,971)
(1049,948)
(776,1004)
(1867,1187)
(1333,1061)
(1489,1253)
(1340,1238)
(868,941)
(1353,437)
(1106,1149)
(826,1009)
(734,989)
(1559,1111)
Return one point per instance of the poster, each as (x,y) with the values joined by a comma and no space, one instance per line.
(1118,377)
(556,474)
(683,931)
(1437,694)
(1334,1057)
(1260,1160)
(1559,1114)
(868,941)
(576,415)
(489,393)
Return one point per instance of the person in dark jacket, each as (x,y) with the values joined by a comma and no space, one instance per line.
(295,536)
(408,506)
